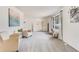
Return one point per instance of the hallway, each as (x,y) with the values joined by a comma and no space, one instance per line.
(43,42)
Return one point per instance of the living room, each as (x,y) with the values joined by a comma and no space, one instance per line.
(34,22)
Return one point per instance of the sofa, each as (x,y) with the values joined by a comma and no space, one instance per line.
(9,45)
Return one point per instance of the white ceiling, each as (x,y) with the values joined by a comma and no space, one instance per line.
(38,11)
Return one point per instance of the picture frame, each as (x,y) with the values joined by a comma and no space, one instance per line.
(74,15)
(14,18)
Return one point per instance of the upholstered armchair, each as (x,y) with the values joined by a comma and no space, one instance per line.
(26,33)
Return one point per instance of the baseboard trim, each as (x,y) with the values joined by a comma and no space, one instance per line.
(65,43)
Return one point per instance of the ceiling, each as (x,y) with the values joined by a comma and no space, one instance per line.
(38,11)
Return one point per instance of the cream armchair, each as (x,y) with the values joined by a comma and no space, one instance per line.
(26,33)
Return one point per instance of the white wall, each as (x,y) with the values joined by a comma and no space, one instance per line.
(70,30)
(3,18)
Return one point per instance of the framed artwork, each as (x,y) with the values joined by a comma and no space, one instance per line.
(14,18)
(74,15)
